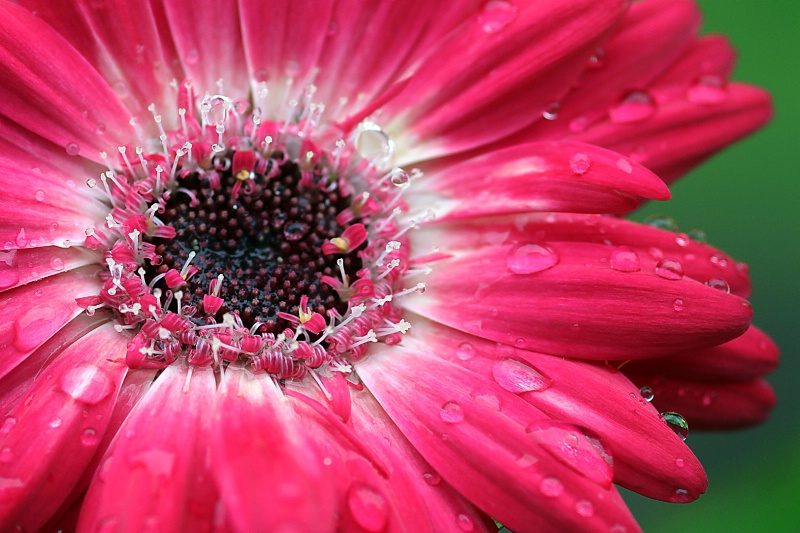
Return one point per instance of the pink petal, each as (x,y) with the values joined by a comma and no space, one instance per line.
(514,62)
(699,261)
(713,405)
(35,312)
(569,299)
(57,428)
(57,94)
(19,267)
(139,66)
(209,42)
(149,472)
(595,397)
(552,176)
(271,456)
(747,357)
(526,483)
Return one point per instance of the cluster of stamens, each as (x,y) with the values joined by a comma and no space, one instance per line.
(237,239)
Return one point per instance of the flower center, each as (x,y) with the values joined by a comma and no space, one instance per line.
(237,240)
(260,223)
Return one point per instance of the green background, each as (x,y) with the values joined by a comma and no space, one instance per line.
(747,200)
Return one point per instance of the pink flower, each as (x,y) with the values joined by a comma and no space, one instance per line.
(321,266)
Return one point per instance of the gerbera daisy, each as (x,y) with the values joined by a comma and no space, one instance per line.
(317,265)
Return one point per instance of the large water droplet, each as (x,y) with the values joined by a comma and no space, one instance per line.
(8,425)
(89,437)
(584,508)
(551,487)
(465,351)
(21,239)
(432,478)
(452,413)
(530,258)
(88,384)
(216,109)
(518,377)
(679,462)
(368,507)
(670,269)
(38,324)
(160,463)
(372,143)
(707,90)
(676,423)
(496,15)
(56,263)
(39,195)
(579,163)
(465,523)
(551,111)
(55,422)
(575,448)
(294,231)
(625,260)
(633,107)
(73,149)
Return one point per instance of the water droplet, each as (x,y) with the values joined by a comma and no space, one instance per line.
(73,149)
(399,178)
(708,398)
(719,260)
(86,383)
(160,463)
(121,88)
(676,423)
(486,399)
(518,377)
(678,304)
(432,478)
(372,143)
(661,222)
(530,258)
(633,107)
(496,15)
(21,239)
(551,111)
(216,109)
(598,59)
(39,195)
(294,231)
(574,447)
(465,351)
(8,425)
(584,508)
(57,263)
(6,455)
(708,89)
(580,164)
(719,284)
(625,260)
(192,57)
(551,487)
(465,523)
(647,393)
(526,460)
(698,235)
(452,413)
(368,507)
(670,269)
(55,422)
(624,165)
(89,437)
(679,463)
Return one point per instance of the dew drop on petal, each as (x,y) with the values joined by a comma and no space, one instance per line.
(584,508)
(624,165)
(647,393)
(6,455)
(676,423)
(551,111)
(670,269)
(518,377)
(465,523)
(88,384)
(625,260)
(661,222)
(8,425)
(73,149)
(551,487)
(719,284)
(598,59)
(530,258)
(575,448)
(678,304)
(633,107)
(368,507)
(579,163)
(39,195)
(679,463)
(465,351)
(451,412)
(57,263)
(159,463)
(496,15)
(400,178)
(719,260)
(55,422)
(22,238)
(373,144)
(432,478)
(38,324)
(192,57)
(89,437)
(707,90)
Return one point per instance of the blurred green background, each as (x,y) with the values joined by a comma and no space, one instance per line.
(747,200)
